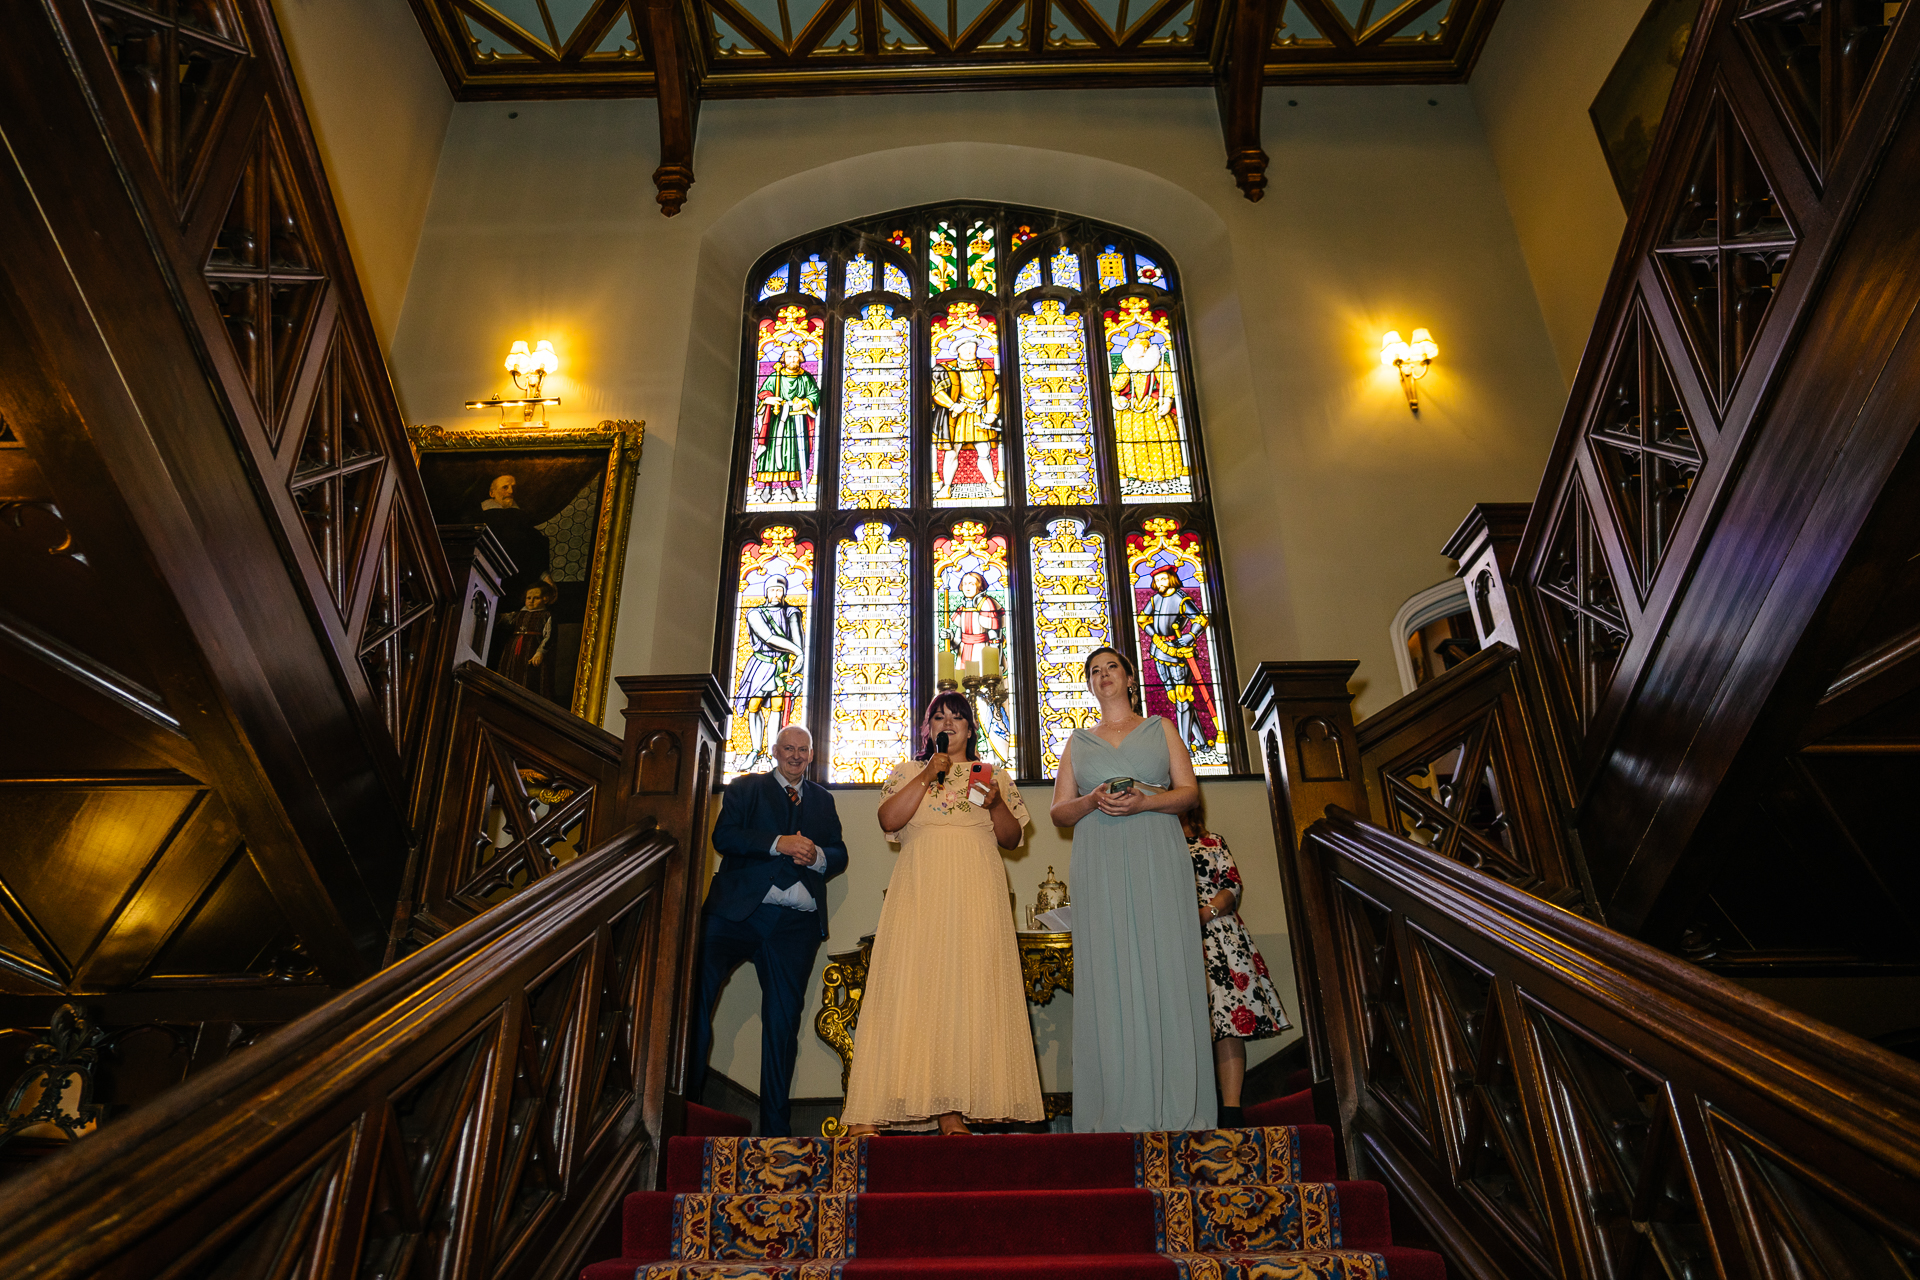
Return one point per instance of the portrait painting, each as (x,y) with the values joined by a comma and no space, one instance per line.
(1628,108)
(559,503)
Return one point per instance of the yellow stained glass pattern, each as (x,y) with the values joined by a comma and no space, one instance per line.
(875,410)
(1073,616)
(1056,407)
(872,710)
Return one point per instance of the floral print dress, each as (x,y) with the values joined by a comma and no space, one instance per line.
(1241,998)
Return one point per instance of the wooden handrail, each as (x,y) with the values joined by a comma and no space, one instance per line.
(1556,1098)
(482,1099)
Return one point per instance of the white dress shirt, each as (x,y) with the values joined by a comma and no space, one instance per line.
(795,895)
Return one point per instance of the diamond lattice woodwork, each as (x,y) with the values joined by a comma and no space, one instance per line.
(1818,56)
(336,473)
(1582,609)
(1645,448)
(1728,243)
(177,60)
(1455,800)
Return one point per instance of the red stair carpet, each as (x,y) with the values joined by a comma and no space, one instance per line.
(1241,1204)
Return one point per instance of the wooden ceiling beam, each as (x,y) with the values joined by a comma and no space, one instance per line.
(679,99)
(1241,87)
(592,29)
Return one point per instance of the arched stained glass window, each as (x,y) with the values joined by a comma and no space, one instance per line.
(967,449)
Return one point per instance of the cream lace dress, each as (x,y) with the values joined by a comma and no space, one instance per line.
(943,1024)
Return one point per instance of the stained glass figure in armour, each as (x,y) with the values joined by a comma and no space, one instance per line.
(971,617)
(770,646)
(1179,661)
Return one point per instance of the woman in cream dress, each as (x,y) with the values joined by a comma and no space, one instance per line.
(943,1034)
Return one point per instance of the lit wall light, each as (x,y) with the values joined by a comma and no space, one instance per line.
(1409,359)
(529,370)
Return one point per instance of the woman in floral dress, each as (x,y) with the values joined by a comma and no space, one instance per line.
(1241,1001)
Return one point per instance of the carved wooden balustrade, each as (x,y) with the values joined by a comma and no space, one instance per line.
(476,1109)
(1555,1099)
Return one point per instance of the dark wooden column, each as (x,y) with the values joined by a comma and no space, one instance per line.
(1249,31)
(1485,544)
(1303,721)
(667,776)
(678,92)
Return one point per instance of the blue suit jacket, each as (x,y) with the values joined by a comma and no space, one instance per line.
(754,812)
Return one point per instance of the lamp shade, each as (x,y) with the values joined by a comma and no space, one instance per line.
(546,361)
(1392,349)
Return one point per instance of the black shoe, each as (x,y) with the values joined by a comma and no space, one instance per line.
(1230,1117)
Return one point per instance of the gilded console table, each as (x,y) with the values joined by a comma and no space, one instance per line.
(1046,965)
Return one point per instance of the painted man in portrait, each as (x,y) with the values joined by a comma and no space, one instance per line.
(522,539)
(966,412)
(772,677)
(1173,624)
(786,426)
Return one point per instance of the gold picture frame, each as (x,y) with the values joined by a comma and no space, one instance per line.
(456,466)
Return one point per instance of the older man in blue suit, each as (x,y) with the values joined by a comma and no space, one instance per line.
(779,843)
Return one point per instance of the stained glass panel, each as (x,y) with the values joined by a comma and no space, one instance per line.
(1056,406)
(1113,268)
(875,409)
(1147,271)
(1149,420)
(859,275)
(1073,616)
(1029,277)
(1066,268)
(897,282)
(813,277)
(1179,660)
(871,713)
(1020,236)
(943,259)
(769,647)
(901,241)
(775,284)
(971,610)
(980,257)
(969,458)
(785,446)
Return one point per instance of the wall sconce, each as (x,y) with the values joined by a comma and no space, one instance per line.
(1409,359)
(529,370)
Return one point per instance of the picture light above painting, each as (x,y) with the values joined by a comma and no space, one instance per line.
(560,503)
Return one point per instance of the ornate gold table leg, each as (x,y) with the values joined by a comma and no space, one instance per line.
(841,986)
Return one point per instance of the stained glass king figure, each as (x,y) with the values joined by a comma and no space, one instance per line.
(784,435)
(1173,624)
(966,413)
(772,678)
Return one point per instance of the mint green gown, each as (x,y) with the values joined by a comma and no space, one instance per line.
(1142,1049)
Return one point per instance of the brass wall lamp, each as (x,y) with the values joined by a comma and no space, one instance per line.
(529,370)
(1409,359)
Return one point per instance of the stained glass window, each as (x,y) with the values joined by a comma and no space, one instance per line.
(859,275)
(971,629)
(1179,659)
(969,457)
(871,716)
(1149,424)
(1066,268)
(1057,408)
(875,409)
(980,257)
(943,259)
(1073,616)
(966,425)
(786,417)
(769,659)
(813,277)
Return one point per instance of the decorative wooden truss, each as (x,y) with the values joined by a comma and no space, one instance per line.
(681,51)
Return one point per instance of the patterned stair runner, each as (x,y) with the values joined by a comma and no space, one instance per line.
(1244,1204)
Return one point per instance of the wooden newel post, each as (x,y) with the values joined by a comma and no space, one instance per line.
(1303,722)
(667,771)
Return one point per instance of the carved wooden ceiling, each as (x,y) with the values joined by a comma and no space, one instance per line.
(684,50)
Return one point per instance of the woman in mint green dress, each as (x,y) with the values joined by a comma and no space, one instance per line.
(1142,1048)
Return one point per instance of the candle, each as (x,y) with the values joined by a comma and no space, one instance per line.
(990,662)
(973,669)
(943,666)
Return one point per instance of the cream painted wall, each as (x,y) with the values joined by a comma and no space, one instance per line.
(1237,810)
(1544,62)
(379,108)
(1332,499)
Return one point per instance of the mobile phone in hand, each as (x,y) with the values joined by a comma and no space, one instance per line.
(1119,786)
(980,782)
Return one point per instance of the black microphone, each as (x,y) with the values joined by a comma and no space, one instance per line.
(940,746)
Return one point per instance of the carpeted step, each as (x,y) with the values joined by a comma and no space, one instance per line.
(1037,1162)
(1385,1264)
(705,1122)
(1294,1109)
